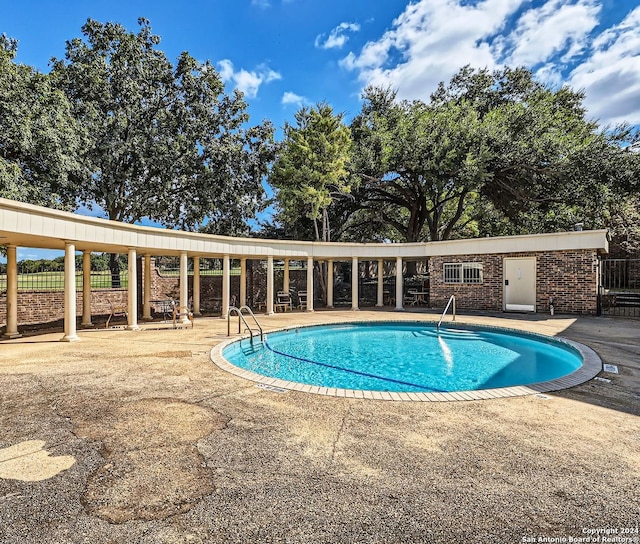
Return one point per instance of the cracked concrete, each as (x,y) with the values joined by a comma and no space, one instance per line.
(169,448)
(153,467)
(334,445)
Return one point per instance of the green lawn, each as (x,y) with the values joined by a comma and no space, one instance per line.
(54,281)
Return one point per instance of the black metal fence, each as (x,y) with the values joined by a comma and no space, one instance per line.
(620,287)
(51,278)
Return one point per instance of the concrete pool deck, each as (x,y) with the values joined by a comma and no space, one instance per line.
(138,437)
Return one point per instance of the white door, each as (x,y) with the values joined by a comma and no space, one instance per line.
(520,284)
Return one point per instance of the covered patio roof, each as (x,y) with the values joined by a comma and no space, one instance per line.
(27,225)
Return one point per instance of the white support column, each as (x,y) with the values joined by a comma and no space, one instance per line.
(399,286)
(146,288)
(380,301)
(226,285)
(355,269)
(270,281)
(132,292)
(184,282)
(86,290)
(285,279)
(69,293)
(309,284)
(196,286)
(12,294)
(243,281)
(183,301)
(330,283)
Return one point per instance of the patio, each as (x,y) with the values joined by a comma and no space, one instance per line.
(168,448)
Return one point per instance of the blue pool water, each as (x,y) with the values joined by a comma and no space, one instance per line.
(405,357)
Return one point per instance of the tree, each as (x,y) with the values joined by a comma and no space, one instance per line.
(167,142)
(490,150)
(621,214)
(310,171)
(420,166)
(40,141)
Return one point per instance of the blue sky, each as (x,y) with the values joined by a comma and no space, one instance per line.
(288,53)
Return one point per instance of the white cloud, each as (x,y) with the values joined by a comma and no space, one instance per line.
(432,39)
(225,68)
(337,37)
(611,75)
(550,74)
(293,98)
(555,27)
(429,42)
(246,81)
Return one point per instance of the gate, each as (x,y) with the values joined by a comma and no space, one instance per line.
(620,287)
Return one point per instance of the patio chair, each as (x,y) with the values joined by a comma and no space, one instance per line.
(283,301)
(411,297)
(116,311)
(302,300)
(179,313)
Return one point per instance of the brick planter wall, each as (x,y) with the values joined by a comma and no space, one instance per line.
(570,277)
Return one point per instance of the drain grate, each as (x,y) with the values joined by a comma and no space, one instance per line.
(271,388)
(605,380)
(610,368)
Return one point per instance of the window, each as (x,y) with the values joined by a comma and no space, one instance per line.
(462,272)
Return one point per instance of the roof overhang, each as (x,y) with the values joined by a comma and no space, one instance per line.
(27,225)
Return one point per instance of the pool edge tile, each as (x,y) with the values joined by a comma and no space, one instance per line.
(591,367)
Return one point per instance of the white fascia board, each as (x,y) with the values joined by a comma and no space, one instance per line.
(560,241)
(43,227)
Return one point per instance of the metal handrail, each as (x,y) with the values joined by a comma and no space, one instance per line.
(255,319)
(240,315)
(452,298)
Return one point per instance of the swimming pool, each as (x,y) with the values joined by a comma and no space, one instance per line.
(406,357)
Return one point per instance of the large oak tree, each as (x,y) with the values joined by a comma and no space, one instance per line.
(40,140)
(490,153)
(167,142)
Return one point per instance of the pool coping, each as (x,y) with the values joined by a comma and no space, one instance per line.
(591,367)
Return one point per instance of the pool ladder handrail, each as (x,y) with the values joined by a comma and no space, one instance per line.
(238,312)
(452,299)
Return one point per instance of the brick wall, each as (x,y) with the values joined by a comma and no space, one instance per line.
(48,306)
(567,276)
(570,278)
(38,307)
(163,287)
(482,296)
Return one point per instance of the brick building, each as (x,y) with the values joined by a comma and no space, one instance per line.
(512,273)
